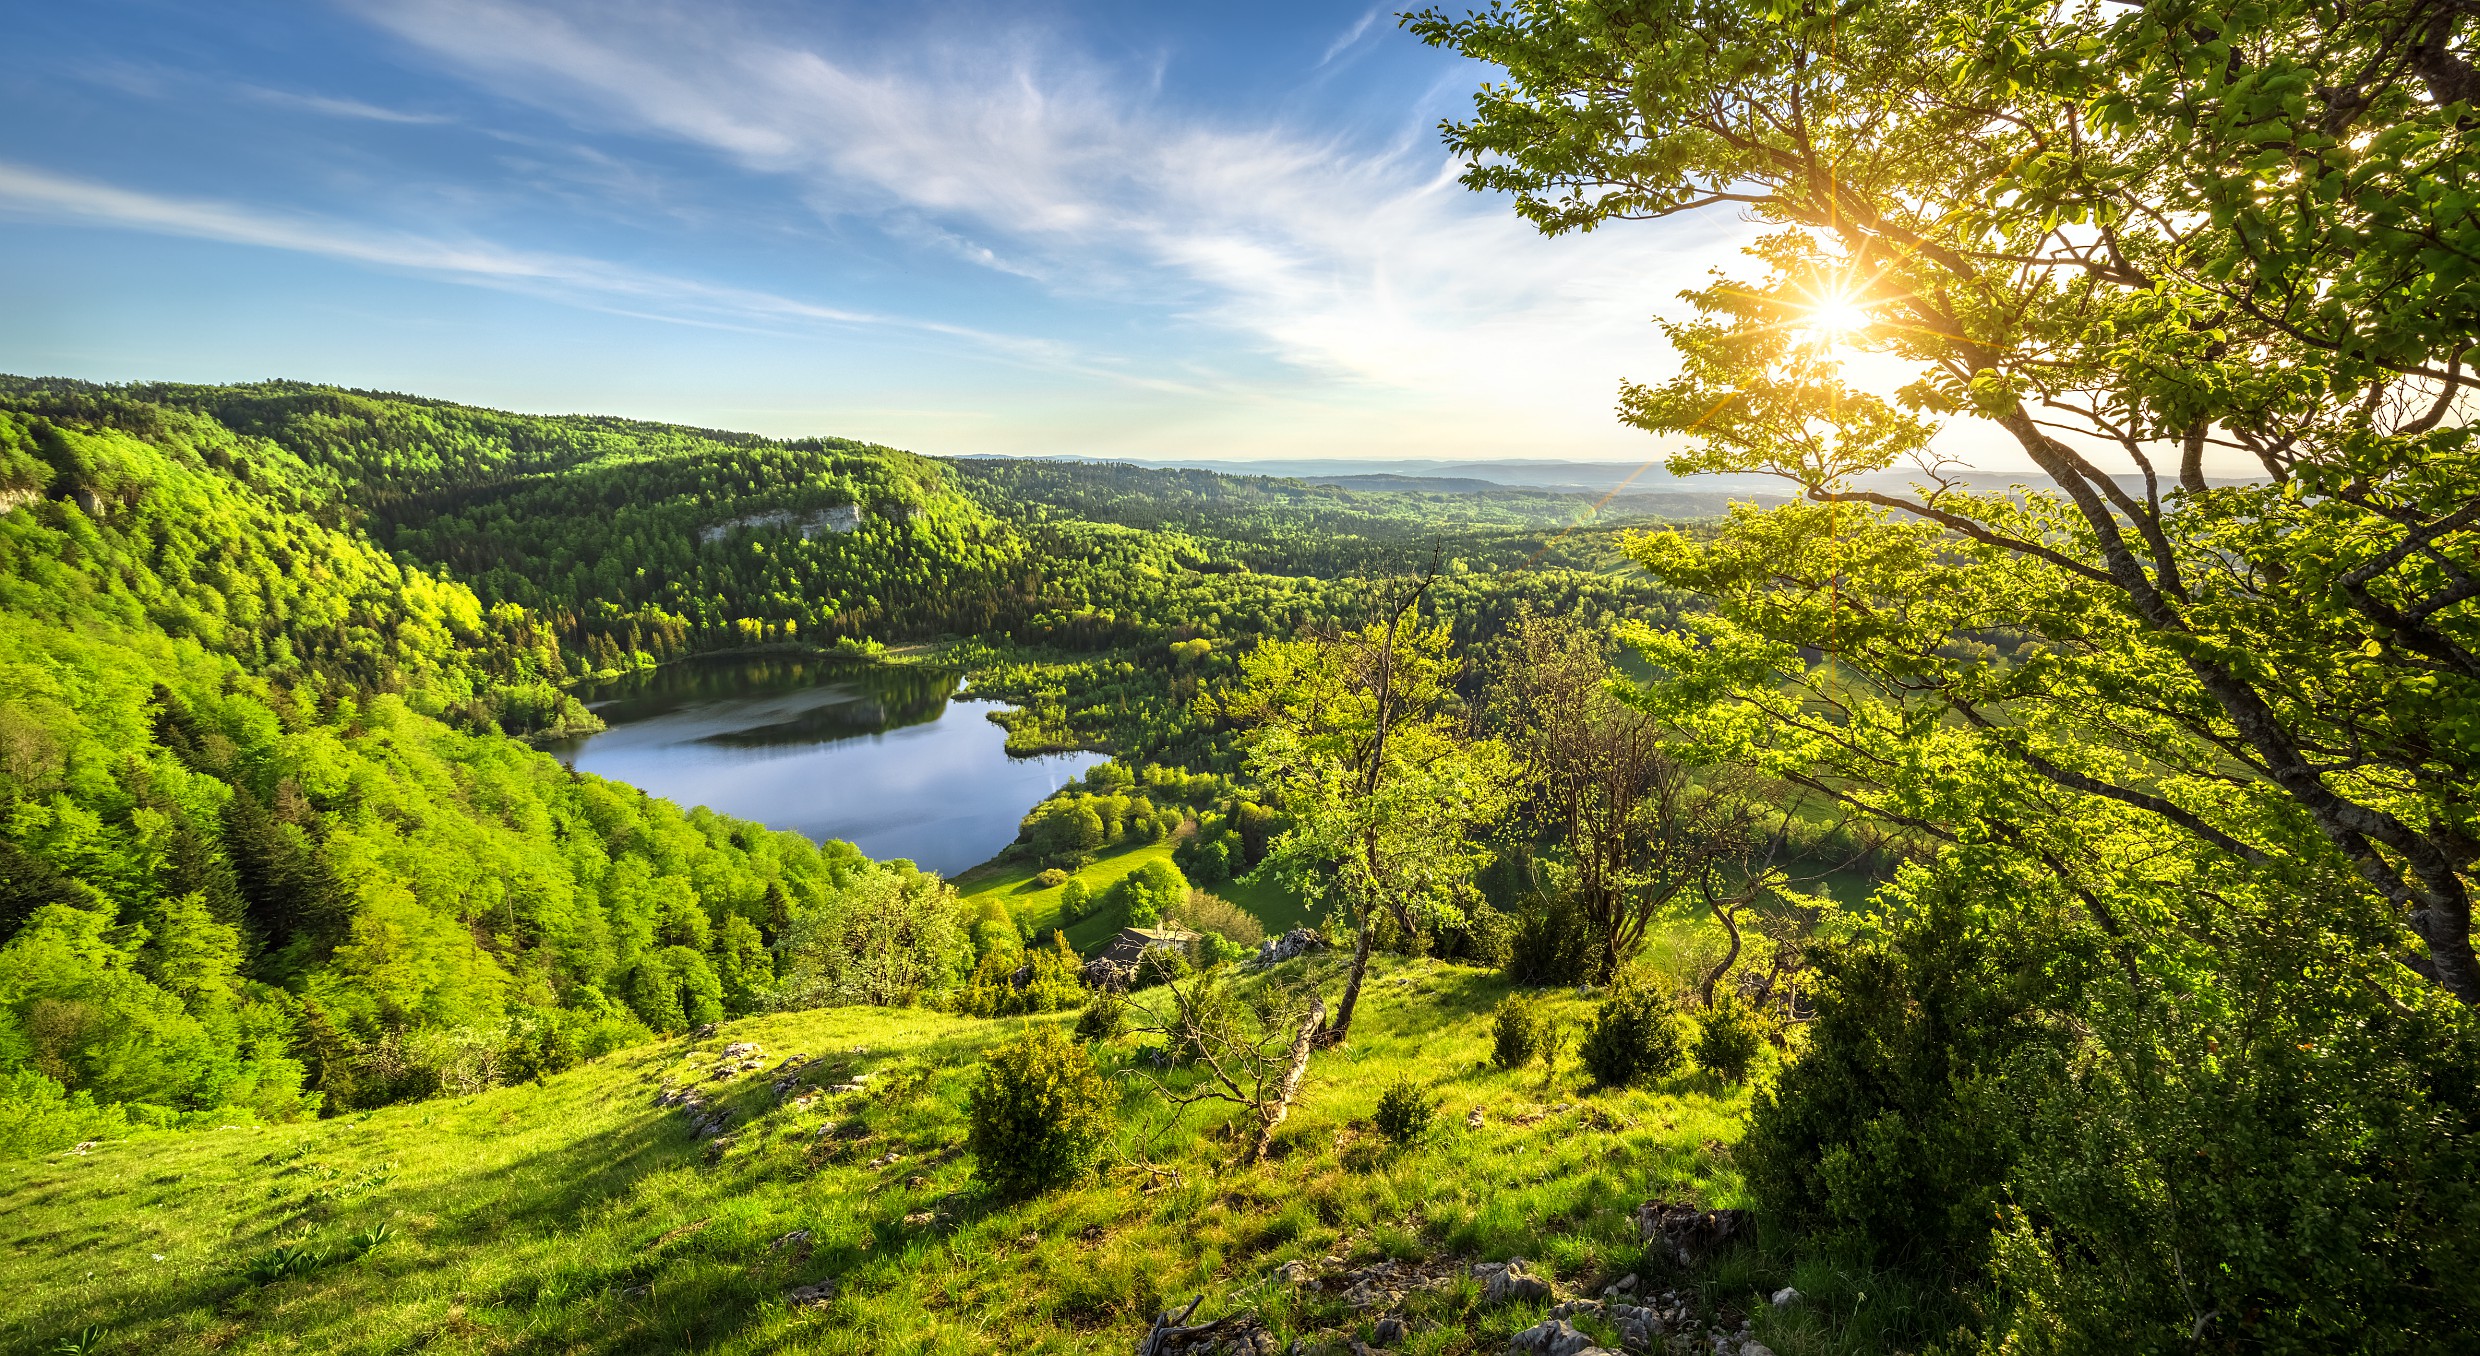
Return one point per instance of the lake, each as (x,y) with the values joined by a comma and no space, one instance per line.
(892,760)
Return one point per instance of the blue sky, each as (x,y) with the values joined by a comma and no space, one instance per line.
(1126,229)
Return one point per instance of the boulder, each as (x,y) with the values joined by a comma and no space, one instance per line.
(1689,1235)
(1297,942)
(1786,1296)
(1509,1282)
(1555,1337)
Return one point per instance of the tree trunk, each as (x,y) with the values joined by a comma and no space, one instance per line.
(1268,1118)
(1342,1029)
(1729,958)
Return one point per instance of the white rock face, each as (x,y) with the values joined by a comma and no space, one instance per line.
(838,519)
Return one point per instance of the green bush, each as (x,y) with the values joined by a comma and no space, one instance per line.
(1634,1037)
(1404,1112)
(1105,1017)
(1076,900)
(1728,1036)
(1986,1104)
(1520,1032)
(1549,942)
(38,1116)
(1051,878)
(1039,1114)
(1052,983)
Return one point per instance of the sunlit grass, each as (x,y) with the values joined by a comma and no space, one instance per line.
(574,1215)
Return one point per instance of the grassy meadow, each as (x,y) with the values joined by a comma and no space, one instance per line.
(575,1215)
(1036,906)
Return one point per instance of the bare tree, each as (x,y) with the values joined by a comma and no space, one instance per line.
(1641,827)
(1248,1049)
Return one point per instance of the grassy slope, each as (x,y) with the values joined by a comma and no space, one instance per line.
(527,1217)
(1036,906)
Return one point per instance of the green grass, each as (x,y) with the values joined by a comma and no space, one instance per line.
(1036,906)
(575,1215)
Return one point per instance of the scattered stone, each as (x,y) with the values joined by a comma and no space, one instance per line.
(1786,1296)
(637,1292)
(793,1239)
(803,1296)
(919,1218)
(1622,1286)
(1389,1331)
(1690,1235)
(740,1050)
(1553,1337)
(705,1031)
(1474,1120)
(888,1159)
(1297,942)
(1509,1282)
(1755,1349)
(1295,1272)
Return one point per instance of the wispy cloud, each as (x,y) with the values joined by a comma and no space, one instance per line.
(1350,36)
(340,108)
(1367,268)
(35,193)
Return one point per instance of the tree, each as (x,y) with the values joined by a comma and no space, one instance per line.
(1362,734)
(2155,237)
(1639,828)
(890,936)
(1150,894)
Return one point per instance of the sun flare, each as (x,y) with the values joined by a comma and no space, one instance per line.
(1831,322)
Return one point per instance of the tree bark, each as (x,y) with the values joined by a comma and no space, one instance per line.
(1342,1029)
(1729,958)
(1269,1118)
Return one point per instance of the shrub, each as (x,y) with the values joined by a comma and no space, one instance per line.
(1105,1017)
(1038,1115)
(37,1116)
(1728,1035)
(1520,1032)
(1052,982)
(1484,937)
(1076,899)
(1216,949)
(1209,912)
(1634,1037)
(1404,1112)
(1550,943)
(1051,878)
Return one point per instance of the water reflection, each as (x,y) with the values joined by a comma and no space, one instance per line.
(892,760)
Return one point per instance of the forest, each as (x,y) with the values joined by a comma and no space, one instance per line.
(1901,914)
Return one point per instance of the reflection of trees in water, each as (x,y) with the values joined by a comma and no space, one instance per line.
(851,699)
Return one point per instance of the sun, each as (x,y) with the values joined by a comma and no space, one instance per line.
(1831,321)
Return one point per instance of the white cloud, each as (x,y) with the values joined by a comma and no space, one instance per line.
(340,108)
(1349,36)
(35,193)
(1412,311)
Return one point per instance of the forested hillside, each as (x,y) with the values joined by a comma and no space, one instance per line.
(268,846)
(263,843)
(634,542)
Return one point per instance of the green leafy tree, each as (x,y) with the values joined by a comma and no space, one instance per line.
(2131,244)
(1362,734)
(1149,895)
